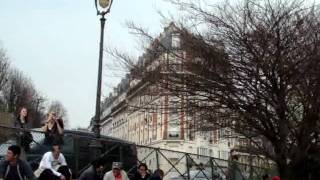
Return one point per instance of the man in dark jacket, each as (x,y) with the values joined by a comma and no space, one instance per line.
(142,173)
(94,172)
(157,175)
(14,168)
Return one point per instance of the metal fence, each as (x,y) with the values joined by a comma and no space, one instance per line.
(9,136)
(78,148)
(180,165)
(176,165)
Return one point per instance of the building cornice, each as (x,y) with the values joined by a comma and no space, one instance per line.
(117,108)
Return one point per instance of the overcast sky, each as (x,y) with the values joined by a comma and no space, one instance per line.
(55,43)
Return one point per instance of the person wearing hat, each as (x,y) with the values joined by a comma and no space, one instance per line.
(116,173)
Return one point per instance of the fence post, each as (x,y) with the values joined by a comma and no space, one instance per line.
(212,169)
(251,166)
(188,165)
(157,158)
(76,154)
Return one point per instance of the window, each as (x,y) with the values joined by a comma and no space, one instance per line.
(191,132)
(202,151)
(174,124)
(224,154)
(198,153)
(173,134)
(175,41)
(210,153)
(174,129)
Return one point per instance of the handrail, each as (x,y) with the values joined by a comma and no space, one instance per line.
(112,139)
(204,156)
(88,135)
(221,164)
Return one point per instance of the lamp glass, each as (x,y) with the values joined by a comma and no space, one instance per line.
(104,3)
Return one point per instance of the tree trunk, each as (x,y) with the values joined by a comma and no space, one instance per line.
(307,169)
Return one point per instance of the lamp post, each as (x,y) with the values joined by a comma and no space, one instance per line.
(102,7)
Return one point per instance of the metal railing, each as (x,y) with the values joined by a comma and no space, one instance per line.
(76,148)
(176,165)
(181,165)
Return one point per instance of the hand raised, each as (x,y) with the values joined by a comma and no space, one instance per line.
(62,177)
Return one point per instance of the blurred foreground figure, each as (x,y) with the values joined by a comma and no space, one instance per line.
(14,168)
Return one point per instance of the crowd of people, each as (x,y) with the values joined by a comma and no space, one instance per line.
(53,128)
(95,172)
(53,165)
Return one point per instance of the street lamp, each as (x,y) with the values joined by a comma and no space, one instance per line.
(102,7)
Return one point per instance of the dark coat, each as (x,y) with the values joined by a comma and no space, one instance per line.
(137,176)
(155,178)
(52,136)
(24,170)
(90,174)
(22,138)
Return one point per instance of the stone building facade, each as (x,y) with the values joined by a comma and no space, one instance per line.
(146,114)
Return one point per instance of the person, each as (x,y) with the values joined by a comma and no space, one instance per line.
(157,175)
(22,138)
(13,168)
(142,173)
(234,172)
(53,165)
(94,172)
(116,173)
(266,177)
(53,129)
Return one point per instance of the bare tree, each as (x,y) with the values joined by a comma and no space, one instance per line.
(4,67)
(253,67)
(17,90)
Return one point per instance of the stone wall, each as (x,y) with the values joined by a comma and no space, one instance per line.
(5,120)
